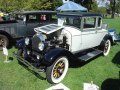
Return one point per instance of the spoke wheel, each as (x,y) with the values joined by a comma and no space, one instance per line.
(107,47)
(57,71)
(3,41)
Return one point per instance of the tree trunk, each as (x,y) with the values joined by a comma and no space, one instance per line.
(113,8)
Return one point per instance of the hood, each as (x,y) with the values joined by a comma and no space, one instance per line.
(48,29)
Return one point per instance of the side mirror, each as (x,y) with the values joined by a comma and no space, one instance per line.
(105,26)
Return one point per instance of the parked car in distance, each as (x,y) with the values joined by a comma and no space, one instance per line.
(77,36)
(23,25)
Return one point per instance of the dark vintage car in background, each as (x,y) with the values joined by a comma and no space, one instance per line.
(23,25)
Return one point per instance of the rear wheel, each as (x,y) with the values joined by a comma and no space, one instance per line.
(107,46)
(3,41)
(57,71)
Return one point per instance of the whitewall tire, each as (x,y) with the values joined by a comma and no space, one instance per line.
(57,71)
(107,46)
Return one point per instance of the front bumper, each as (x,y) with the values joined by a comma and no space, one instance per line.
(31,66)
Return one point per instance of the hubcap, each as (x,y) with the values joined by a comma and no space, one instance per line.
(2,42)
(58,69)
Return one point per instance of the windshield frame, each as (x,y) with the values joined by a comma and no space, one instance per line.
(70,21)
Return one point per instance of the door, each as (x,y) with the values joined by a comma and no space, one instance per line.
(31,23)
(89,32)
(21,29)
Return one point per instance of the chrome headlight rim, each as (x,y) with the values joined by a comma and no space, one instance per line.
(27,40)
(41,46)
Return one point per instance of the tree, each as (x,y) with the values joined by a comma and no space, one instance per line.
(94,7)
(20,5)
(113,5)
(102,10)
(85,3)
(118,6)
(6,5)
(55,4)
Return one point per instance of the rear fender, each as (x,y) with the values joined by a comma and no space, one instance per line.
(108,36)
(102,45)
(52,55)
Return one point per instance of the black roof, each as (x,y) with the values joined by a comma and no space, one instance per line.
(37,12)
(80,14)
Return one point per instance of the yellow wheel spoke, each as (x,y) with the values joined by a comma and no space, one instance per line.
(58,69)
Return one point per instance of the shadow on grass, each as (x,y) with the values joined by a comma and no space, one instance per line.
(11,58)
(116,59)
(38,75)
(78,63)
(111,84)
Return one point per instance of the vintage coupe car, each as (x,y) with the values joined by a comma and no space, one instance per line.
(23,25)
(77,36)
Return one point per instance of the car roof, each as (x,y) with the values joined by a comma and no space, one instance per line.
(37,12)
(80,14)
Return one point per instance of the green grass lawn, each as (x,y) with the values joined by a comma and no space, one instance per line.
(102,71)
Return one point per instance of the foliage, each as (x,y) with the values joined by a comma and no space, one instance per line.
(85,3)
(20,5)
(102,10)
(7,5)
(94,7)
(118,7)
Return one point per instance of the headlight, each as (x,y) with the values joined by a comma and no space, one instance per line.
(41,36)
(27,41)
(41,46)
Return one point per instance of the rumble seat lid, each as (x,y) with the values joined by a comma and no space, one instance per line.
(47,29)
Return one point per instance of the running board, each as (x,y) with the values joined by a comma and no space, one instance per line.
(90,55)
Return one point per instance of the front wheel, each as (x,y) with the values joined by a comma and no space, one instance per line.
(107,46)
(57,71)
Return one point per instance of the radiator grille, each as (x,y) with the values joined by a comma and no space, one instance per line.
(35,41)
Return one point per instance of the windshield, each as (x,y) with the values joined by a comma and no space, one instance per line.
(71,21)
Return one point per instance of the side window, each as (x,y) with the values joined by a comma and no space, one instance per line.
(73,21)
(32,18)
(53,18)
(89,22)
(43,17)
(47,17)
(99,22)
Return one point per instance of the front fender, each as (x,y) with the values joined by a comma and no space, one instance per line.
(52,55)
(20,43)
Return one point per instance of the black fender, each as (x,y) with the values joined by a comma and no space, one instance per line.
(11,40)
(108,36)
(20,44)
(52,55)
(6,34)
